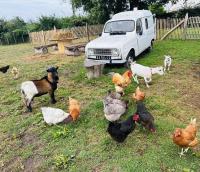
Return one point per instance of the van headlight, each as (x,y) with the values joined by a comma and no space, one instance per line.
(115,52)
(90,51)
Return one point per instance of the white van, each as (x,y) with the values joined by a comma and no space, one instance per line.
(124,37)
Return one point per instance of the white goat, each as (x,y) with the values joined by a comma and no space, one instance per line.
(145,72)
(167,62)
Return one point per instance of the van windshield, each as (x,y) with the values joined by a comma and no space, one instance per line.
(120,26)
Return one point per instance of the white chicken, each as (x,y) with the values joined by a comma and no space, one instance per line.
(54,115)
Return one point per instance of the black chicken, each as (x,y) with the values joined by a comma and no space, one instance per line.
(120,130)
(145,118)
(4,69)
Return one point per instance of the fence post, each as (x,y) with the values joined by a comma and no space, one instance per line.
(43,36)
(185,27)
(87,32)
(30,37)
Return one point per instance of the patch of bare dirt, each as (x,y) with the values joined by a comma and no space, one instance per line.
(33,163)
(14,164)
(196,70)
(97,168)
(27,138)
(193,100)
(38,57)
(190,90)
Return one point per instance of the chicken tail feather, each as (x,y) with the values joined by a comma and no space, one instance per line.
(194,142)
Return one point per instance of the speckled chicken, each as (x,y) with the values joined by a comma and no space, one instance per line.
(114,107)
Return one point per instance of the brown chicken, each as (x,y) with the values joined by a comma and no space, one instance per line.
(186,138)
(138,95)
(74,108)
(121,81)
(127,77)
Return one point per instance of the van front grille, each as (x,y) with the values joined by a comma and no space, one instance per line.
(104,52)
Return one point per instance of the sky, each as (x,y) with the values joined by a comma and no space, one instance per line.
(33,9)
(180,4)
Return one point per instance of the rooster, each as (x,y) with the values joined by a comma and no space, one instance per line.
(138,95)
(146,119)
(186,138)
(119,131)
(4,69)
(121,81)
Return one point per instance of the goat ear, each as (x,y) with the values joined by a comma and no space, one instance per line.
(57,67)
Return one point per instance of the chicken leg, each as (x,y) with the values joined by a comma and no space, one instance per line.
(182,152)
(185,151)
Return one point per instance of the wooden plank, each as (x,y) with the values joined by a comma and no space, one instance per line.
(156,29)
(160,27)
(171,30)
(185,26)
(164,26)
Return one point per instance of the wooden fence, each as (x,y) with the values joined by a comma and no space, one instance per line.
(178,28)
(84,33)
(165,25)
(171,28)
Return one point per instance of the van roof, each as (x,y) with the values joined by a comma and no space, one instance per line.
(130,15)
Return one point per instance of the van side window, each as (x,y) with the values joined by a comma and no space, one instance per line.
(139,29)
(146,24)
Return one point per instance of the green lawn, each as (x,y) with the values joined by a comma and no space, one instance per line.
(27,143)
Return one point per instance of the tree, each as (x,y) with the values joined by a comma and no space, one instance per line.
(157,9)
(47,23)
(100,10)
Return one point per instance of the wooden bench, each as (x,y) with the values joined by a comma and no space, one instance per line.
(75,50)
(43,49)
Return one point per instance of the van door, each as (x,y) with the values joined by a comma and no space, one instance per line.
(141,36)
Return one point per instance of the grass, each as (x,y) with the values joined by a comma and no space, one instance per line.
(27,143)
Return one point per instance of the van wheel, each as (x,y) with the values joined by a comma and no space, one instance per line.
(130,58)
(151,47)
